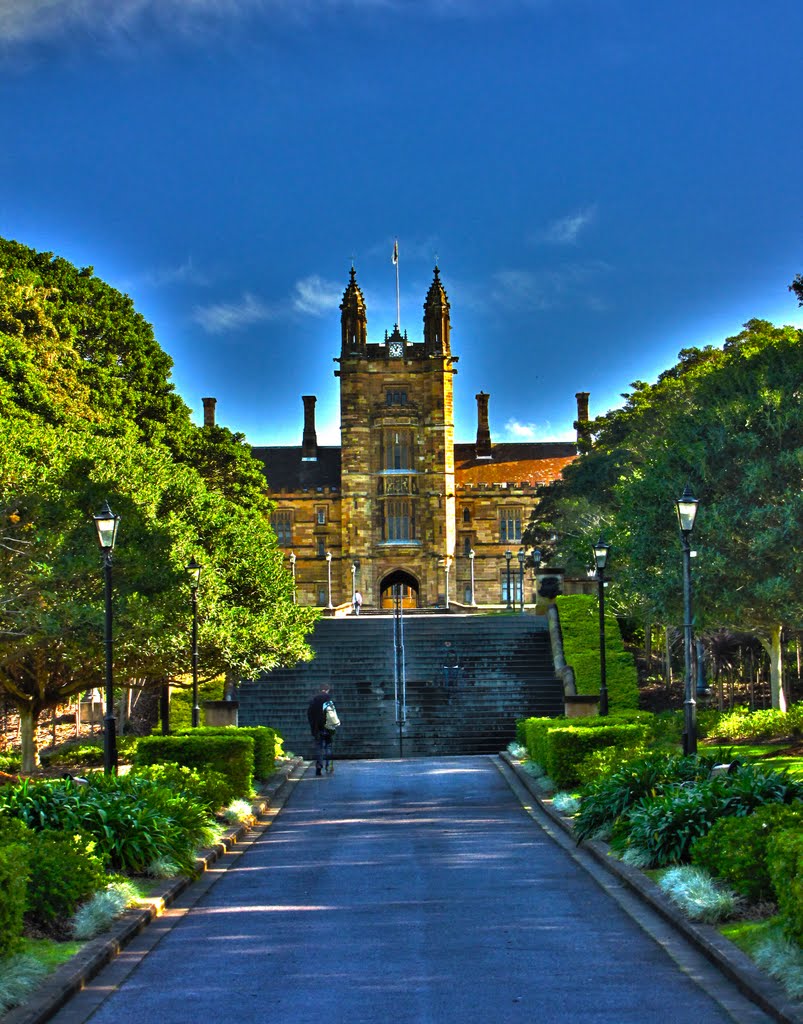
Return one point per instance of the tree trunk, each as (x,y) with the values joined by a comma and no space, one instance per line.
(30,752)
(772,645)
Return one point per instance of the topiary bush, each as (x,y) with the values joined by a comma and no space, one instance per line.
(579,619)
(209,789)
(566,748)
(229,751)
(735,849)
(264,744)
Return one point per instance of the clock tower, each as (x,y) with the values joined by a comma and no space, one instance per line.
(397,443)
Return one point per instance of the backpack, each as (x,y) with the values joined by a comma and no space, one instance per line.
(331,720)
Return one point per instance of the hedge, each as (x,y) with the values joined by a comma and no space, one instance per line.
(229,751)
(579,620)
(264,744)
(785,860)
(560,744)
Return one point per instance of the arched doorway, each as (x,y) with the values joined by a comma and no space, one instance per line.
(409,590)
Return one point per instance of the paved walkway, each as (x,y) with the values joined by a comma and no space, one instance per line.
(411,892)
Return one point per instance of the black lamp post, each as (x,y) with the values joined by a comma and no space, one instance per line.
(508,556)
(601,550)
(194,573)
(686,507)
(521,556)
(106,524)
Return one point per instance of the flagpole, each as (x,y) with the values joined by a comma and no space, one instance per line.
(396,264)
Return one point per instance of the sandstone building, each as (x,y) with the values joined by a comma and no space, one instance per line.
(399,503)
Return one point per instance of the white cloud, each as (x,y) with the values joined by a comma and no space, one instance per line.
(315,296)
(551,288)
(518,431)
(184,273)
(565,230)
(231,316)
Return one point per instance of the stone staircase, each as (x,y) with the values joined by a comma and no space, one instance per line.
(504,672)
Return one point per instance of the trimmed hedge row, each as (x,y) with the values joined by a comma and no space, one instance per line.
(228,751)
(560,744)
(264,744)
(579,620)
(785,858)
(15,865)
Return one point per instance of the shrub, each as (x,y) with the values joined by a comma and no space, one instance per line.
(735,849)
(742,724)
(600,763)
(698,895)
(15,862)
(665,825)
(229,751)
(66,872)
(264,744)
(566,748)
(579,617)
(785,858)
(604,802)
(210,788)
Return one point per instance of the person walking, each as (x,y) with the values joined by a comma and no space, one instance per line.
(321,715)
(357,602)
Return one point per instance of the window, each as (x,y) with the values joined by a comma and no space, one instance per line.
(320,515)
(321,597)
(515,586)
(321,548)
(282,522)
(398,520)
(466,544)
(396,397)
(466,515)
(509,525)
(398,450)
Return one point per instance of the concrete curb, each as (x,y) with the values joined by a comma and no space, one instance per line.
(758,987)
(57,989)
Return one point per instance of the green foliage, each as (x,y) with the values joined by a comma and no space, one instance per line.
(231,754)
(15,865)
(741,724)
(132,821)
(697,894)
(601,763)
(665,825)
(579,619)
(181,702)
(67,871)
(264,744)
(606,801)
(785,858)
(206,787)
(735,849)
(568,747)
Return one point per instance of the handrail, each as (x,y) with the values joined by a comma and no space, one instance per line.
(563,671)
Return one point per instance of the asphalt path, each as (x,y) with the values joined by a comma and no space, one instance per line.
(421,891)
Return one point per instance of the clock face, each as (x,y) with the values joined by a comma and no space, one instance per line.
(395,349)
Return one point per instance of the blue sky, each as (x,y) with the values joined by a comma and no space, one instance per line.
(602,182)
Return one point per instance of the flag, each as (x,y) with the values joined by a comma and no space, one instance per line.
(395,257)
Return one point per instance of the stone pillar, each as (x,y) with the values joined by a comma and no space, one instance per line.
(209,411)
(581,423)
(483,448)
(309,441)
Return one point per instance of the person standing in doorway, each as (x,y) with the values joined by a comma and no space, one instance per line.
(357,602)
(316,715)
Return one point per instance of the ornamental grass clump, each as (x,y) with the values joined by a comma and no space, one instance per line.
(781,958)
(97,915)
(698,895)
(239,811)
(566,803)
(19,976)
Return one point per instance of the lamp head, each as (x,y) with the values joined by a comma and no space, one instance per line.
(328,556)
(601,550)
(686,506)
(106,524)
(508,555)
(536,558)
(194,573)
(471,554)
(293,557)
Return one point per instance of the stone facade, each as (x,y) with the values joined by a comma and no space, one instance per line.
(399,503)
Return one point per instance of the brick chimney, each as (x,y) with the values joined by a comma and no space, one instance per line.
(209,411)
(483,447)
(581,423)
(309,442)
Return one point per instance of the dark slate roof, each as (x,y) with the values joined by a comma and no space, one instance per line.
(516,462)
(285,470)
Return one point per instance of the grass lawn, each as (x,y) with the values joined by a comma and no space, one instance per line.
(774,755)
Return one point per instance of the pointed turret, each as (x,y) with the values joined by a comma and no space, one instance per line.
(353,321)
(437,326)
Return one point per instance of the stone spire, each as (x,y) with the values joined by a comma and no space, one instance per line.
(353,321)
(437,326)
(309,440)
(482,449)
